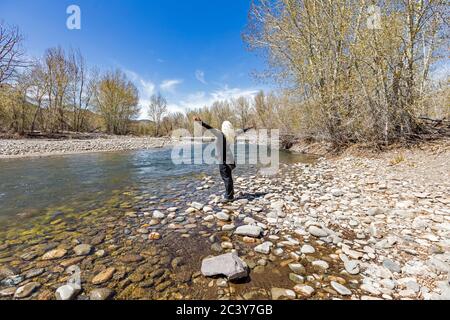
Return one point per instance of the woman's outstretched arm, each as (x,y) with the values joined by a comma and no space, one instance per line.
(215,132)
(242,131)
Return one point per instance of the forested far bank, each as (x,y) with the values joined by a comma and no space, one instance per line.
(344,76)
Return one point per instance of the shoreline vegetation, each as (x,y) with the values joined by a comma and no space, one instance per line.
(356,83)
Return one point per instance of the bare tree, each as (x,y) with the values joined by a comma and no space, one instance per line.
(116,99)
(12,56)
(352,81)
(157,110)
(243,110)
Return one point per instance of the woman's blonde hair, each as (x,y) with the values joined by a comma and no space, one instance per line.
(229,132)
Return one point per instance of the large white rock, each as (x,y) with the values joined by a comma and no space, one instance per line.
(229,265)
(249,231)
(67,292)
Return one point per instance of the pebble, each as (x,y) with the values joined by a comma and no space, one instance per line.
(297,268)
(158,215)
(317,232)
(82,250)
(54,254)
(222,216)
(304,291)
(352,267)
(392,266)
(103,276)
(264,248)
(67,292)
(307,249)
(249,231)
(342,290)
(26,290)
(282,294)
(321,264)
(296,278)
(228,227)
(101,294)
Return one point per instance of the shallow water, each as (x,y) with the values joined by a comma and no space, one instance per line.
(106,200)
(31,186)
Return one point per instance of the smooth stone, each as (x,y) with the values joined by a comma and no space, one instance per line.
(158,215)
(101,294)
(307,249)
(392,266)
(264,248)
(342,290)
(280,293)
(226,245)
(67,292)
(197,205)
(207,209)
(34,273)
(304,290)
(11,281)
(6,272)
(103,276)
(352,267)
(8,292)
(26,290)
(228,227)
(249,231)
(296,278)
(297,268)
(222,216)
(82,250)
(54,254)
(154,236)
(248,220)
(317,232)
(321,264)
(229,265)
(130,258)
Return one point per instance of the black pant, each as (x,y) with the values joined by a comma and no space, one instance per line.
(226,172)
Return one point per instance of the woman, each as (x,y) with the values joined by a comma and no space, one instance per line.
(225,140)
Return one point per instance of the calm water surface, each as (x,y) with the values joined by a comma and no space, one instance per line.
(32,186)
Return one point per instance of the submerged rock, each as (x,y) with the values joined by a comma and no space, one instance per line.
(54,254)
(82,249)
(101,294)
(26,290)
(67,292)
(104,276)
(229,265)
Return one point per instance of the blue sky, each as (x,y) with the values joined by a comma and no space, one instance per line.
(191,51)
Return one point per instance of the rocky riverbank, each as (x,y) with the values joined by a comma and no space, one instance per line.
(43,147)
(347,228)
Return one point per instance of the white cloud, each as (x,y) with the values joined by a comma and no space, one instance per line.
(170,85)
(200,76)
(201,99)
(146,87)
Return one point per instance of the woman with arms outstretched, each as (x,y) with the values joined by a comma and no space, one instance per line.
(225,140)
